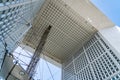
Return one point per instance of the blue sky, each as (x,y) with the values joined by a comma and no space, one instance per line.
(111,8)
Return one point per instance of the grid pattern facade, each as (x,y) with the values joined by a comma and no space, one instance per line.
(69,30)
(96,60)
(8,2)
(14,15)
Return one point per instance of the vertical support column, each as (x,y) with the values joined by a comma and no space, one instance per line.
(31,67)
(11,70)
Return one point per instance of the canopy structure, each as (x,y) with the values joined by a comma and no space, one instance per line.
(73,23)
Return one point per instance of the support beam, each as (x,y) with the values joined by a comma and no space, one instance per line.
(11,71)
(31,68)
(5,54)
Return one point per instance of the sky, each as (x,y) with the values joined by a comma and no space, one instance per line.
(42,70)
(111,8)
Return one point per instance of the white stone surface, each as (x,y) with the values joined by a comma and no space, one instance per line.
(112,35)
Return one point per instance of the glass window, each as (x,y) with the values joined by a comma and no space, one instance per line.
(113,78)
(13,9)
(3,26)
(1,4)
(9,10)
(3,12)
(10,15)
(7,3)
(3,15)
(2,19)
(0,12)
(7,0)
(17,7)
(13,2)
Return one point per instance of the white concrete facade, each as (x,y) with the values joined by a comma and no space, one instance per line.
(98,59)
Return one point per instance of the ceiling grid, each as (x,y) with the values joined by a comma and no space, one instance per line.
(69,30)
